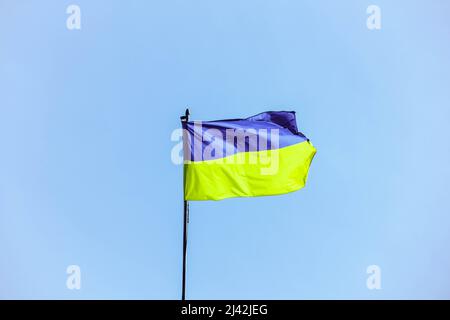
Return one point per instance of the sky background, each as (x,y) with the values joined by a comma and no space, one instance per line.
(86,176)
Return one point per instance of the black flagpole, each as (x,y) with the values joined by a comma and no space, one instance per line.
(185,224)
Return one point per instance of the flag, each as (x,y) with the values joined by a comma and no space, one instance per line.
(258,156)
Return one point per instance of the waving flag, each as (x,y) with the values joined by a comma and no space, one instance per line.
(258,156)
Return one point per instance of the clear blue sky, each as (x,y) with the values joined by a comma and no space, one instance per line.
(86,176)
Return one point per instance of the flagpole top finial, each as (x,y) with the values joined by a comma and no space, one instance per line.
(186,115)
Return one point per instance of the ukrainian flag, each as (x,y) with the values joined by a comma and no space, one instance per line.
(258,156)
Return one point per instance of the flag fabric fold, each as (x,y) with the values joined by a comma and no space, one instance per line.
(258,156)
